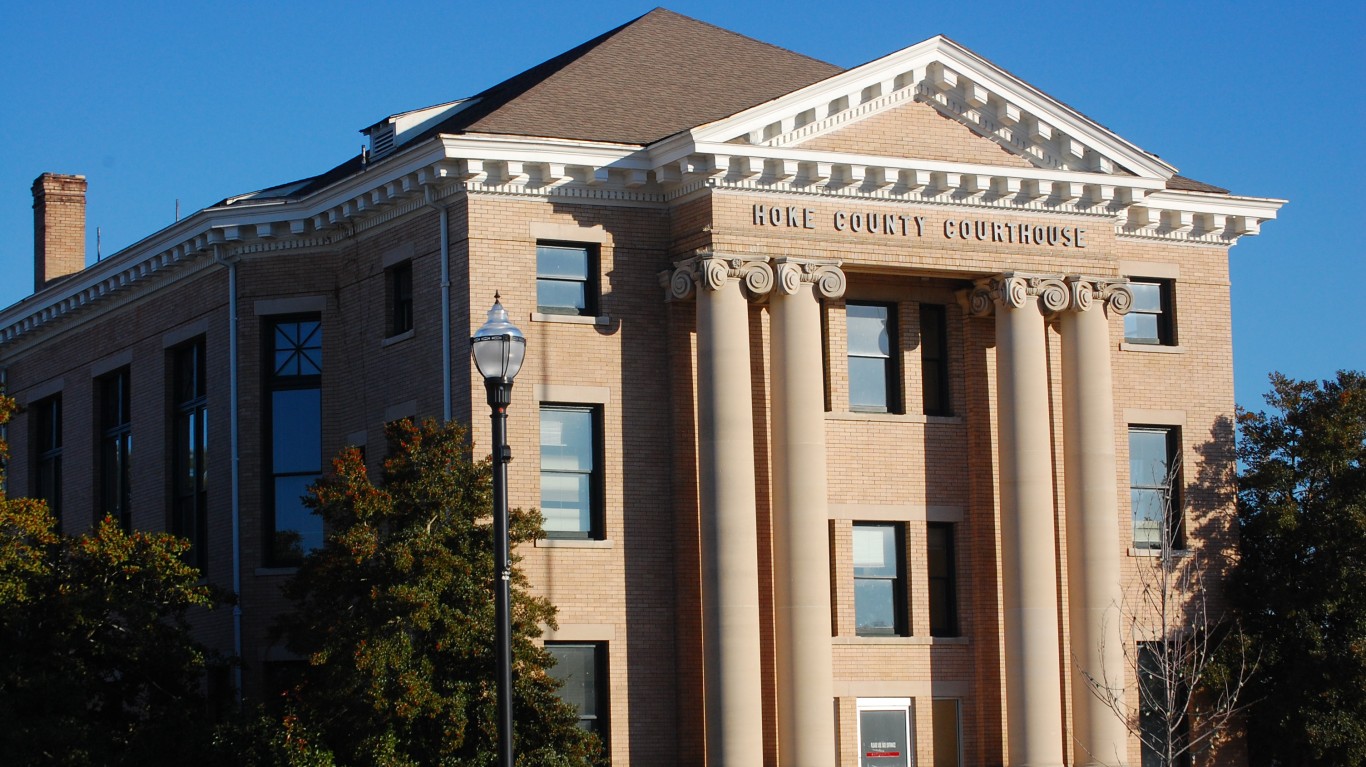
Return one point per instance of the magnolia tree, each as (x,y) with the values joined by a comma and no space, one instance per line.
(395,618)
(99,667)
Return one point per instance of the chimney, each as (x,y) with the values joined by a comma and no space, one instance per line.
(58,227)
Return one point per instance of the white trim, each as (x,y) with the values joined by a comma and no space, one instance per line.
(545,230)
(400,411)
(1144,416)
(874,512)
(398,255)
(404,336)
(42,391)
(111,363)
(180,335)
(293,305)
(1155,269)
(1151,348)
(588,395)
(580,632)
(571,319)
(573,543)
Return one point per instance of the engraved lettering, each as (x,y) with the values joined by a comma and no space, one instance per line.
(808,219)
(919,226)
(759,215)
(792,217)
(840,217)
(996,229)
(950,228)
(856,222)
(1081,238)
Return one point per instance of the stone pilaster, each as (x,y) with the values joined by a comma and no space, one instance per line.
(801,561)
(725,437)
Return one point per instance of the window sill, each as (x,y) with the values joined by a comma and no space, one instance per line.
(571,319)
(902,641)
(404,336)
(572,543)
(276,571)
(1151,348)
(860,415)
(1158,552)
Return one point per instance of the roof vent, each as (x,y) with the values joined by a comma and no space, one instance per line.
(395,130)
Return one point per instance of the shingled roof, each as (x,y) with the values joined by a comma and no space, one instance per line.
(650,78)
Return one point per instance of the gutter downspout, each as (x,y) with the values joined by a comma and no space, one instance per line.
(231,264)
(445,304)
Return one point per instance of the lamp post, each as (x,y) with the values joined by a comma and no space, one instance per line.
(498,348)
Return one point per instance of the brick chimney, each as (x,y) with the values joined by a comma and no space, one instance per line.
(58,227)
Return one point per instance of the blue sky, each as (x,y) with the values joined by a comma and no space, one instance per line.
(157,102)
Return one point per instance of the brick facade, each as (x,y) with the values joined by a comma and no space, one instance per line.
(638,586)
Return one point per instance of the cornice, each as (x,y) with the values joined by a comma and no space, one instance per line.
(625,175)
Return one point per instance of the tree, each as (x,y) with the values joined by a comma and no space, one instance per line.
(1302,511)
(1190,664)
(395,617)
(99,666)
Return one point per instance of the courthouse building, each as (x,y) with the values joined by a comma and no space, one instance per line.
(849,396)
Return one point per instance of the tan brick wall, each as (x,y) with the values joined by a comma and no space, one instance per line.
(915,130)
(640,590)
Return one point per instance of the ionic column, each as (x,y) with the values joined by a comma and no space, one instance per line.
(725,443)
(1029,573)
(1093,544)
(801,555)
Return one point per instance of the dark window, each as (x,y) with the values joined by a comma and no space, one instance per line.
(879,580)
(47,450)
(571,471)
(582,671)
(116,449)
(400,279)
(943,580)
(294,429)
(948,732)
(566,279)
(1154,486)
(1162,722)
(1151,319)
(934,359)
(873,381)
(190,450)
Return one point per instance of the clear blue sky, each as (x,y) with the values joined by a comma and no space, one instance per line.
(155,102)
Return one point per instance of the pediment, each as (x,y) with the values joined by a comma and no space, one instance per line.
(963,89)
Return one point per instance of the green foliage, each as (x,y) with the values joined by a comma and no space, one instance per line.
(99,667)
(395,616)
(1301,582)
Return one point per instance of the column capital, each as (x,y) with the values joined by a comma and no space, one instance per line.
(1013,290)
(823,275)
(1056,293)
(1084,291)
(711,271)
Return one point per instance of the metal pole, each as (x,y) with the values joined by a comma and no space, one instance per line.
(500,394)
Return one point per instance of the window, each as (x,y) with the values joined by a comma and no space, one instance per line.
(294,425)
(1154,486)
(1161,723)
(943,580)
(116,448)
(190,451)
(582,670)
(1151,318)
(47,451)
(948,732)
(571,474)
(884,732)
(872,365)
(400,284)
(566,279)
(879,580)
(934,359)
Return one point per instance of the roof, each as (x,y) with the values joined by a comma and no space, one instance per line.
(1183,184)
(650,78)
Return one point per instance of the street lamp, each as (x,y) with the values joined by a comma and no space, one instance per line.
(498,348)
